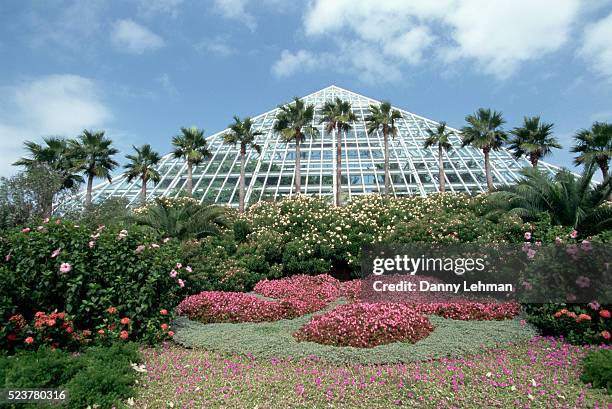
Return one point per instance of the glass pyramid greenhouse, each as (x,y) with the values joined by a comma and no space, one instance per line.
(269,175)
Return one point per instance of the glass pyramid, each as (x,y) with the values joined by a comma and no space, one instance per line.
(269,175)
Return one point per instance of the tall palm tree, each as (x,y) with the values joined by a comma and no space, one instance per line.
(241,132)
(569,200)
(484,132)
(533,139)
(93,155)
(192,146)
(293,124)
(55,155)
(594,146)
(441,137)
(384,117)
(338,115)
(142,165)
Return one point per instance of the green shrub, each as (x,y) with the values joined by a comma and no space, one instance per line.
(99,376)
(597,369)
(107,267)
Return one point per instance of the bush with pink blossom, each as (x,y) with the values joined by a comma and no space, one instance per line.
(366,325)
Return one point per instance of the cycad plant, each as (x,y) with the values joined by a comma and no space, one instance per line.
(192,146)
(595,146)
(533,139)
(382,117)
(93,155)
(484,132)
(241,132)
(569,200)
(441,138)
(338,116)
(183,221)
(294,124)
(142,165)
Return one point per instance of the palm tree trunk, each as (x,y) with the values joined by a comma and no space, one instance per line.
(189,178)
(488,168)
(143,191)
(90,178)
(242,162)
(603,166)
(298,174)
(386,145)
(338,167)
(534,160)
(441,169)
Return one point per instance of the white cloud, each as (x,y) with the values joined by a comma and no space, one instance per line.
(498,35)
(597,47)
(236,10)
(290,63)
(166,83)
(165,7)
(133,38)
(217,45)
(50,105)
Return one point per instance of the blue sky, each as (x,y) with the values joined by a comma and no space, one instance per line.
(141,69)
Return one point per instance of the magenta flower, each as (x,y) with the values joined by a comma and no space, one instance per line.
(56,253)
(65,268)
(594,305)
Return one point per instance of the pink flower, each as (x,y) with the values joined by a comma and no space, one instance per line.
(173,273)
(574,234)
(124,335)
(583,282)
(170,333)
(605,334)
(164,326)
(125,320)
(179,265)
(26,230)
(527,235)
(558,240)
(163,311)
(181,283)
(46,220)
(29,340)
(604,314)
(188,269)
(56,253)
(91,244)
(65,268)
(531,253)
(594,305)
(139,249)
(8,258)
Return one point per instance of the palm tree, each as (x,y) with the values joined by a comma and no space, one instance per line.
(569,200)
(337,116)
(190,220)
(55,155)
(440,137)
(142,165)
(534,139)
(241,132)
(192,146)
(484,132)
(384,117)
(594,146)
(93,154)
(293,124)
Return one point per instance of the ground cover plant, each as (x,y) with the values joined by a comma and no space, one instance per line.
(541,373)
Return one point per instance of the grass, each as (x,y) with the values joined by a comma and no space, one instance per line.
(542,373)
(274,340)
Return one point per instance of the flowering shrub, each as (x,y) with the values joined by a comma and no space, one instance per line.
(58,266)
(322,287)
(365,325)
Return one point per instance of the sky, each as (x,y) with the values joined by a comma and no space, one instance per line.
(141,69)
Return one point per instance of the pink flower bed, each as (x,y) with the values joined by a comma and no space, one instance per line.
(472,311)
(322,287)
(366,325)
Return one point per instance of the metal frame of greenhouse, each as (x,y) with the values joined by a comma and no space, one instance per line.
(270,174)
